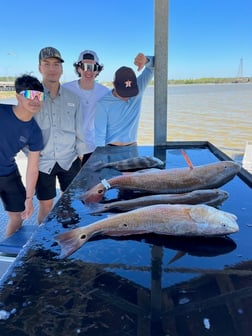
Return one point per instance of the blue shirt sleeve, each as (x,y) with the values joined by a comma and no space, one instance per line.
(100,122)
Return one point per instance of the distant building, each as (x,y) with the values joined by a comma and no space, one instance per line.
(7,86)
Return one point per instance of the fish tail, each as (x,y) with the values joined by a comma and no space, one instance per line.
(71,241)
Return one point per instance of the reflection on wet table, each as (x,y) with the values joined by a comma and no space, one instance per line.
(145,284)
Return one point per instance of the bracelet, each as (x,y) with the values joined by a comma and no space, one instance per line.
(28,198)
(106,184)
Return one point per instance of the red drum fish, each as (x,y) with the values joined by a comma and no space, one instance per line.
(174,181)
(139,162)
(211,197)
(163,219)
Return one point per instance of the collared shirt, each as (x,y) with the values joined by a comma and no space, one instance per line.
(60,120)
(116,120)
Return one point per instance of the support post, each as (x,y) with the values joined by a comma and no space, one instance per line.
(161,72)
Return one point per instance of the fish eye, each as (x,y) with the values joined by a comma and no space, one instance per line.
(83,236)
(100,191)
(125,225)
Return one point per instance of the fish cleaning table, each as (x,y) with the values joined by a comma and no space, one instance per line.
(136,285)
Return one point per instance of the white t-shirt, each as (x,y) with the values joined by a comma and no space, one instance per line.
(89,99)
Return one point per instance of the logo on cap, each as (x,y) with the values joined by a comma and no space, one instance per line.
(126,82)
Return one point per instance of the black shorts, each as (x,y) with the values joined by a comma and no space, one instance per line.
(12,192)
(46,185)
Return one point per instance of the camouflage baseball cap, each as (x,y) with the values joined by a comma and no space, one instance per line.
(50,52)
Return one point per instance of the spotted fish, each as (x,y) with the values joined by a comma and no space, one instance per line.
(175,181)
(138,162)
(163,219)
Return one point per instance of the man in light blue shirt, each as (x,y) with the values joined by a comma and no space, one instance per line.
(118,112)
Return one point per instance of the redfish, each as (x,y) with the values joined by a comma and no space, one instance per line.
(212,197)
(177,220)
(134,163)
(175,181)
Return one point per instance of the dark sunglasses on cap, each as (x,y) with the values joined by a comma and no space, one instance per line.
(32,94)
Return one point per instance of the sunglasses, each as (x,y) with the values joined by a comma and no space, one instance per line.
(88,66)
(32,94)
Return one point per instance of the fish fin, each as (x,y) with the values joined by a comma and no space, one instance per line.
(177,256)
(70,241)
(187,159)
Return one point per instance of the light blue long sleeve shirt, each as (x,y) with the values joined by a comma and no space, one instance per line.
(117,120)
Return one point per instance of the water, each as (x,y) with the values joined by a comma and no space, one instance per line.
(218,113)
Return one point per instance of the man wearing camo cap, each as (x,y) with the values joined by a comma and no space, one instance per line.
(61,122)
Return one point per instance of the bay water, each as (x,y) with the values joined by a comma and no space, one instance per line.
(218,113)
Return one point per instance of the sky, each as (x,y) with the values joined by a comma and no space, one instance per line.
(206,38)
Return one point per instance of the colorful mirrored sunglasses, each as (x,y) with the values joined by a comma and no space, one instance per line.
(32,94)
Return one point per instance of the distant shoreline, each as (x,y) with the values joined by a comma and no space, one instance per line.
(210,80)
(7,94)
(12,94)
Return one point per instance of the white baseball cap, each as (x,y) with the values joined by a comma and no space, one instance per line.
(88,54)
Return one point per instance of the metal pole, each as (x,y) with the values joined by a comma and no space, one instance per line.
(161,72)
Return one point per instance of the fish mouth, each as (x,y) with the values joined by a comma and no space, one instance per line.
(89,197)
(235,228)
(232,226)
(230,170)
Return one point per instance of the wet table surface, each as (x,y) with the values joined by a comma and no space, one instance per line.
(136,285)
